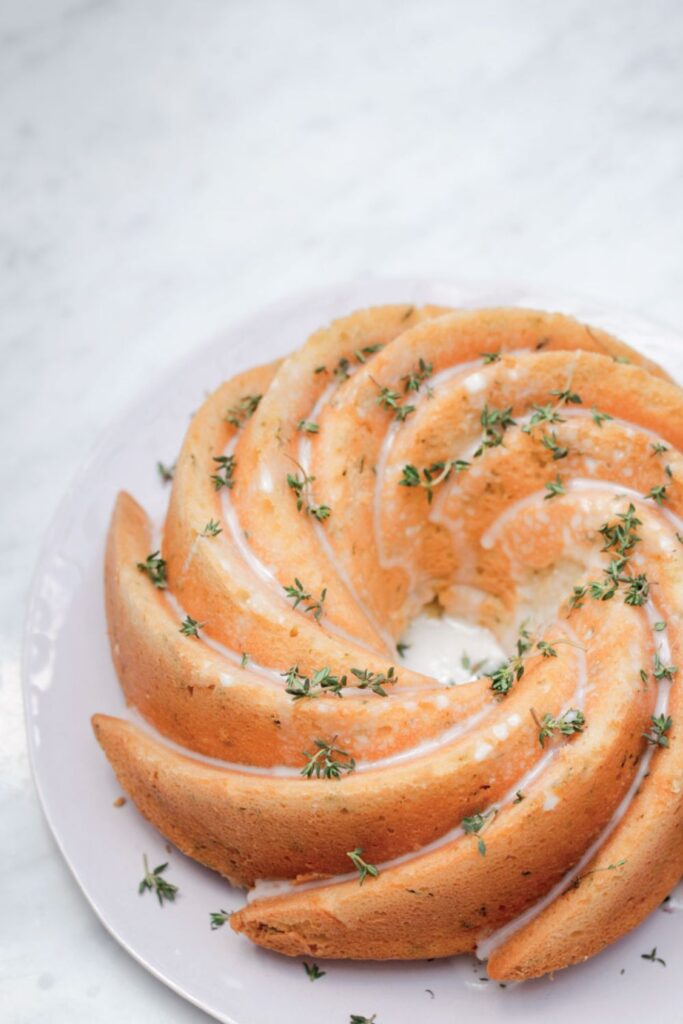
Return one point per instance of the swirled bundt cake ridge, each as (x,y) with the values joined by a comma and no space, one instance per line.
(515,468)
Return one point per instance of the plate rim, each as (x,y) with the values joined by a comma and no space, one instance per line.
(510,295)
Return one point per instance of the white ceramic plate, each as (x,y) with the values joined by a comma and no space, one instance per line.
(68,675)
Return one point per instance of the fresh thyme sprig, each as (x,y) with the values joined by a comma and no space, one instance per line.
(432,475)
(308,427)
(297,593)
(475,824)
(320,512)
(511,671)
(652,955)
(358,1018)
(314,972)
(494,422)
(554,488)
(594,871)
(569,722)
(600,417)
(245,408)
(218,918)
(341,370)
(622,536)
(375,681)
(504,677)
(490,357)
(165,472)
(662,671)
(413,381)
(155,567)
(155,882)
(658,448)
(661,724)
(212,528)
(567,397)
(550,442)
(362,867)
(318,683)
(658,494)
(323,763)
(225,473)
(390,399)
(301,485)
(190,627)
(542,414)
(367,350)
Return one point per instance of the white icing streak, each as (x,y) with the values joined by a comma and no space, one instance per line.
(492,942)
(323,539)
(264,888)
(577,485)
(384,561)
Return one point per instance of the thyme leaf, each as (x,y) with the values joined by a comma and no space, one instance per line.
(430,476)
(225,473)
(554,488)
(322,764)
(153,881)
(212,528)
(475,824)
(155,567)
(569,722)
(300,686)
(362,867)
(190,627)
(375,681)
(661,724)
(218,918)
(299,595)
(244,409)
(165,472)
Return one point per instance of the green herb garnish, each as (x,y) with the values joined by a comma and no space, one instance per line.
(323,764)
(155,882)
(569,722)
(191,627)
(212,528)
(218,918)
(299,595)
(243,410)
(475,824)
(363,868)
(224,475)
(661,724)
(155,567)
(318,683)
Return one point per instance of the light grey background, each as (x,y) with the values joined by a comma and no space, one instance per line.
(167,167)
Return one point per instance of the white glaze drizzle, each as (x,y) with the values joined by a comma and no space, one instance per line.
(323,539)
(383,559)
(264,572)
(492,942)
(264,888)
(577,485)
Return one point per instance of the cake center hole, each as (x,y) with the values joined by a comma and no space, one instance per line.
(449,649)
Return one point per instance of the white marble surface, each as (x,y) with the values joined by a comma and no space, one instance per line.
(166,167)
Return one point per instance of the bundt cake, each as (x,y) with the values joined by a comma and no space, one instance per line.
(513,469)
